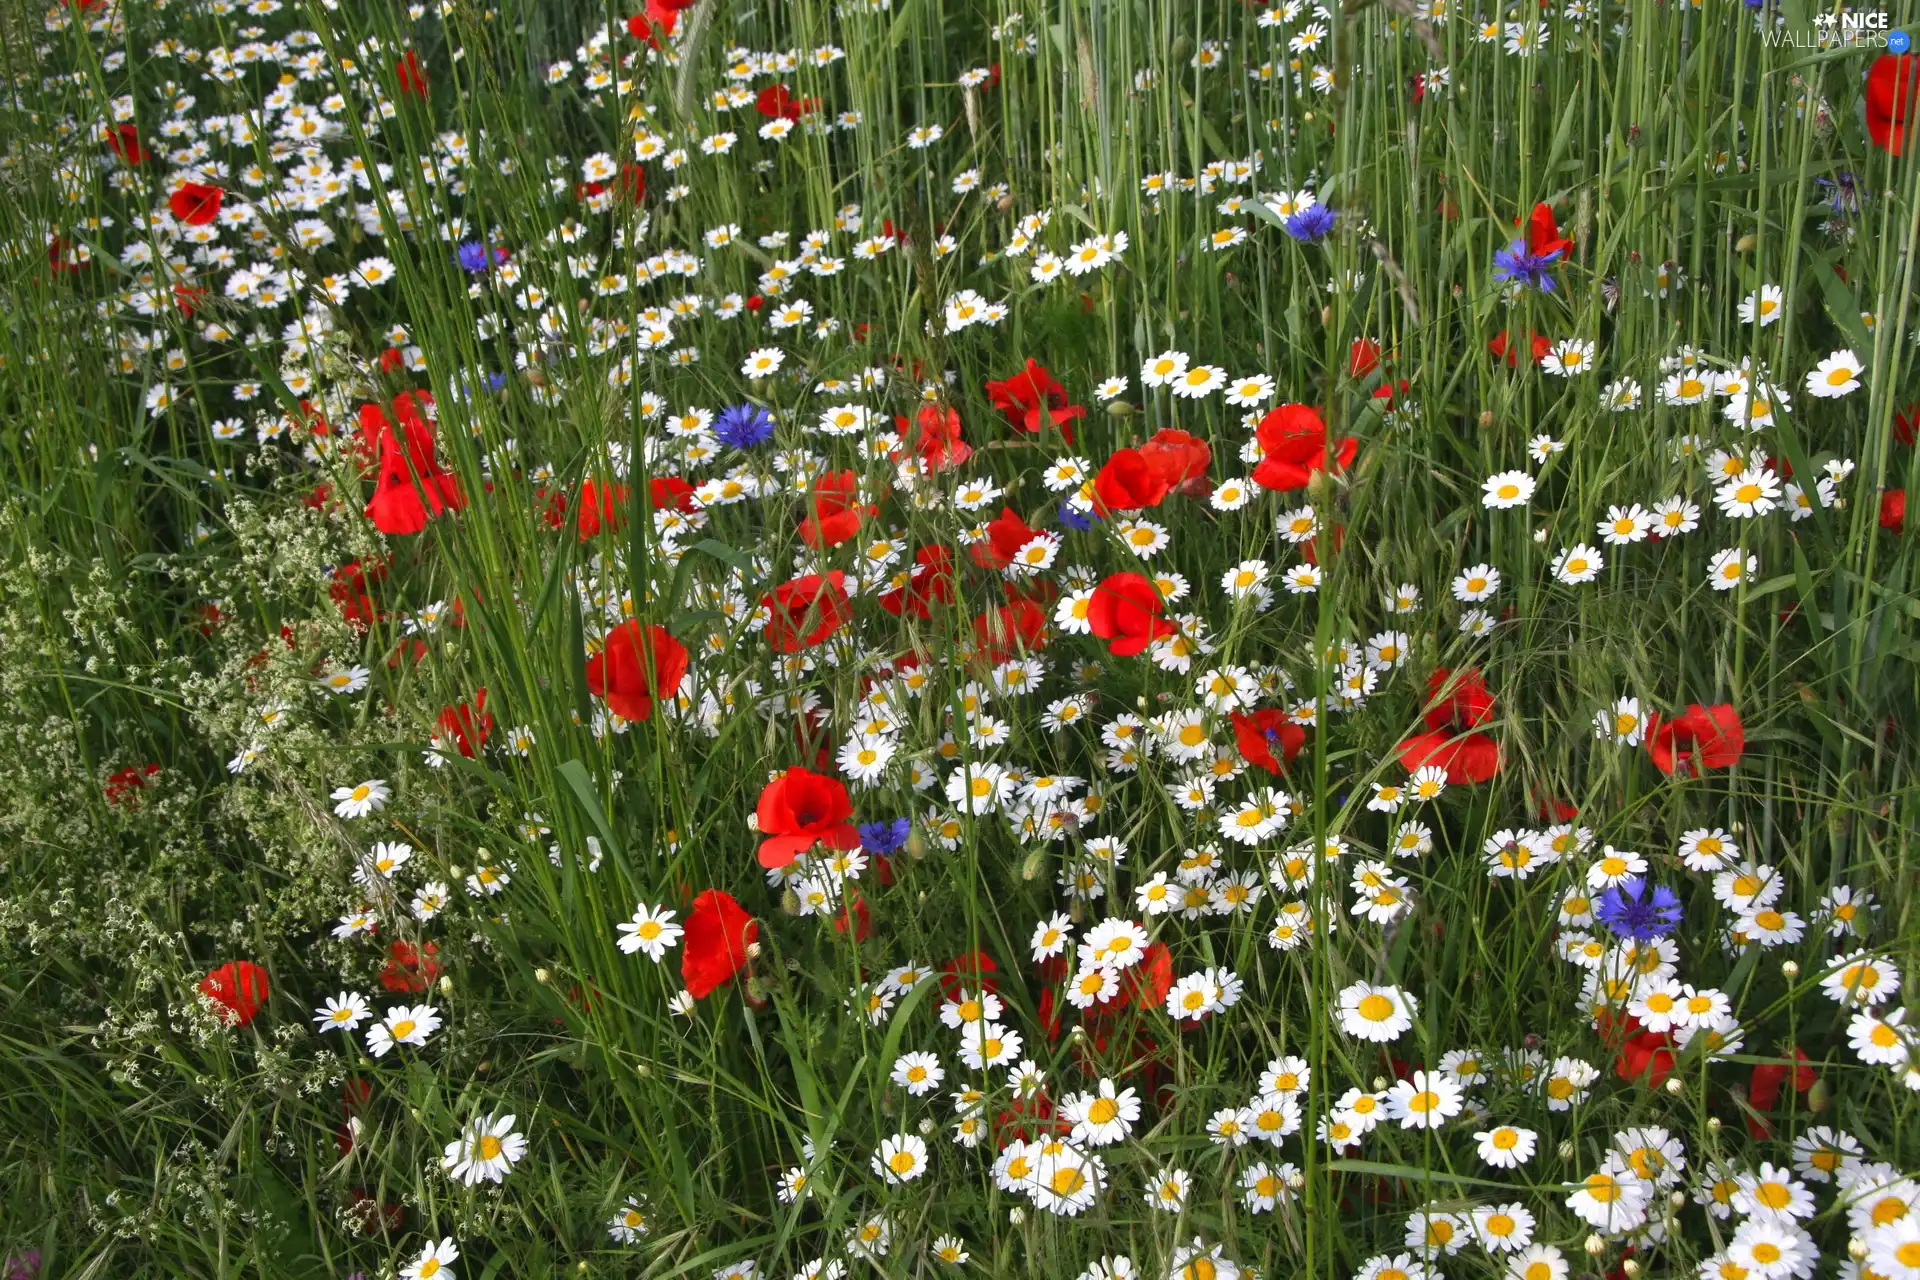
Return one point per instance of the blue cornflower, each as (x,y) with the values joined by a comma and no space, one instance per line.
(1075,519)
(1517,263)
(1630,911)
(474,256)
(1843,191)
(742,426)
(1310,223)
(886,837)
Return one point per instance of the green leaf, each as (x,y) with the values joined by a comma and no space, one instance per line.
(582,784)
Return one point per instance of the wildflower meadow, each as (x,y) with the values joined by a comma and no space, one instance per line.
(1106,640)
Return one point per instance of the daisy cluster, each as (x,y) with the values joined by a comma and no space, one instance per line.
(1062,762)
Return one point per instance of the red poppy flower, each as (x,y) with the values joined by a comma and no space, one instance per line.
(837,510)
(633,182)
(858,917)
(929,582)
(807,610)
(1501,346)
(1699,738)
(1125,612)
(1473,757)
(1893,99)
(409,967)
(239,988)
(1893,510)
(1456,704)
(125,141)
(188,297)
(714,947)
(124,787)
(776,102)
(800,809)
(934,437)
(602,506)
(60,256)
(1363,357)
(1387,392)
(413,76)
(466,725)
(1906,425)
(1183,458)
(196,204)
(1543,234)
(1006,534)
(1293,445)
(637,665)
(1646,1056)
(1027,1119)
(377,431)
(1031,399)
(1259,734)
(1143,987)
(550,507)
(349,590)
(670,493)
(1004,633)
(972,971)
(1763,1087)
(413,486)
(1128,482)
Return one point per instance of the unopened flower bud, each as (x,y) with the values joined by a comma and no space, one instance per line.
(1857,1249)
(1486,418)
(1676,1086)
(1566,1149)
(753,950)
(1677,1199)
(1595,1245)
(446,982)
(1789,969)
(1630,1268)
(1119,409)
(1379,1083)
(1713,1123)
(1016,1215)
(542,976)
